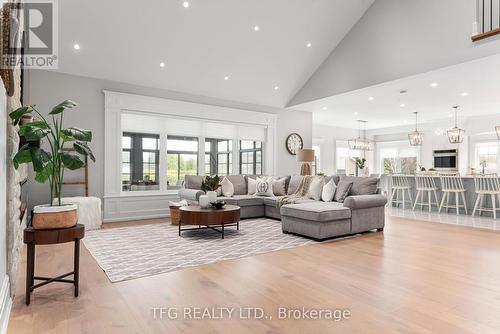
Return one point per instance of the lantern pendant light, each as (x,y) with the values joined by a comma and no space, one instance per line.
(416,137)
(456,134)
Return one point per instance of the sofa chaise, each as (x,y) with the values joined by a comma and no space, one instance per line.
(363,210)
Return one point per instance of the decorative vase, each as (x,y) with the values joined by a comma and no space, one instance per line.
(366,172)
(212,196)
(204,202)
(50,217)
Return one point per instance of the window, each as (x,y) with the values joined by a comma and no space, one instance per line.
(182,160)
(218,156)
(316,163)
(250,157)
(487,157)
(345,157)
(140,159)
(396,158)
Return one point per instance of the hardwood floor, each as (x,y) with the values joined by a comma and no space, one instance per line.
(415,277)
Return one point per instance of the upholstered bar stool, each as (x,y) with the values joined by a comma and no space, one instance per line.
(452,184)
(425,184)
(487,185)
(399,186)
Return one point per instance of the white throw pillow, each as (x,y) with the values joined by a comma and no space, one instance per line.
(279,187)
(315,188)
(264,187)
(328,191)
(227,188)
(252,186)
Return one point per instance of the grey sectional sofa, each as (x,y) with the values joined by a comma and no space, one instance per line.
(363,210)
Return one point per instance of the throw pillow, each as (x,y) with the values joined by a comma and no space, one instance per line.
(279,187)
(264,187)
(315,188)
(328,191)
(252,186)
(362,185)
(227,188)
(342,191)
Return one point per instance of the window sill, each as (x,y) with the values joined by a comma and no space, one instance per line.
(170,193)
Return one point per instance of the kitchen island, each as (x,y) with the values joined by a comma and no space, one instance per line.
(470,194)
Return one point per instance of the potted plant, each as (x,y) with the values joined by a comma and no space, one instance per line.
(360,165)
(210,186)
(49,166)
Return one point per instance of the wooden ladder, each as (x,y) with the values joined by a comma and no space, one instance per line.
(85,181)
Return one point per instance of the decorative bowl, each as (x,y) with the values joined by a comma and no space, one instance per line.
(218,205)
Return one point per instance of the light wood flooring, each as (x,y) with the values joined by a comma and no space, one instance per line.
(415,277)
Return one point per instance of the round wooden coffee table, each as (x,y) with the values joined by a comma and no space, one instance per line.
(215,219)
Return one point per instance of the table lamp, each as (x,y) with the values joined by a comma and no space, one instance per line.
(305,156)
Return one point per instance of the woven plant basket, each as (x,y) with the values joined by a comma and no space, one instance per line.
(175,215)
(50,217)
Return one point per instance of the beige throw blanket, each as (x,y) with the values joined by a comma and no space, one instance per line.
(301,193)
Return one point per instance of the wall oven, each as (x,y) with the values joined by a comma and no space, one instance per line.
(446,160)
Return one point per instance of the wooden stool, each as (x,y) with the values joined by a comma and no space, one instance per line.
(34,237)
(487,185)
(425,184)
(452,184)
(399,186)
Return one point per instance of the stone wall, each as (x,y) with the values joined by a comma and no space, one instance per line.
(14,225)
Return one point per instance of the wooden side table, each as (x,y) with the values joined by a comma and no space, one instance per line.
(34,237)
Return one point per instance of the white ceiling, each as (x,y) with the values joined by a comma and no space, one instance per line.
(479,78)
(126,41)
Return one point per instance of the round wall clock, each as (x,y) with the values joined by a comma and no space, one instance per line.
(294,143)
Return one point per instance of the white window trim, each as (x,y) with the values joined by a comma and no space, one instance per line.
(476,162)
(115,103)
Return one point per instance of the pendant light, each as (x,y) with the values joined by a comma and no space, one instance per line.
(416,137)
(498,131)
(361,143)
(455,134)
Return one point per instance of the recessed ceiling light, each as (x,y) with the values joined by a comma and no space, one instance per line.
(434,84)
(371,98)
(356,113)
(309,44)
(162,64)
(465,94)
(450,115)
(76,46)
(226,78)
(276,88)
(324,108)
(402,105)
(185,4)
(405,121)
(256,28)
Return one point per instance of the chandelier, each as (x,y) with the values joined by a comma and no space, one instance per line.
(455,134)
(361,143)
(498,131)
(416,137)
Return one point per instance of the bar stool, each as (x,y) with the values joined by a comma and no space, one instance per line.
(452,184)
(425,184)
(400,185)
(488,184)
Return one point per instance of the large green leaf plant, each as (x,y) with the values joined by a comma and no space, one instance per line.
(49,166)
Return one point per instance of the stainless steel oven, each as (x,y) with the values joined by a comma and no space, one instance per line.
(446,160)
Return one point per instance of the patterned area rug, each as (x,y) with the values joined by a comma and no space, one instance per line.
(138,251)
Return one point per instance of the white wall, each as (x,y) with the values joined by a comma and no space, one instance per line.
(45,89)
(396,39)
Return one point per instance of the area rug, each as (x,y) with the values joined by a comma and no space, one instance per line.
(132,252)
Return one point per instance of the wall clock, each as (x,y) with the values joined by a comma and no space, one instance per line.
(294,143)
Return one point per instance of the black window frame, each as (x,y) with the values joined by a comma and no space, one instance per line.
(178,153)
(253,150)
(136,157)
(214,154)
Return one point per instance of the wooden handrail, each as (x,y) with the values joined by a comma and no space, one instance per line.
(487,34)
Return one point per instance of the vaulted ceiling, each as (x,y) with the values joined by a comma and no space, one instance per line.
(211,48)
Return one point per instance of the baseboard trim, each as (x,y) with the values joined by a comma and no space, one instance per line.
(5,304)
(140,217)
